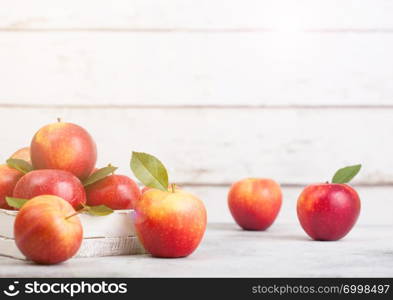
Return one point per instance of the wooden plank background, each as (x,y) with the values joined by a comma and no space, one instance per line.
(182,69)
(219,90)
(203,14)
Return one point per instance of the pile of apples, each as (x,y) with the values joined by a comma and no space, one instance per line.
(55,179)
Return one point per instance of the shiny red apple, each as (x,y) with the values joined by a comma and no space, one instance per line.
(114,191)
(327,212)
(51,182)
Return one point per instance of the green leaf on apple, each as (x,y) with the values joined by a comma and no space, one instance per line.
(99,174)
(149,170)
(346,174)
(20,165)
(98,210)
(15,202)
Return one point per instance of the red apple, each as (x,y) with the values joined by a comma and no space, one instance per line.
(8,179)
(114,191)
(170,224)
(51,182)
(255,203)
(327,212)
(64,146)
(23,153)
(44,234)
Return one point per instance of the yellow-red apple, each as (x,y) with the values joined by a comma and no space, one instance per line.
(170,224)
(64,146)
(44,231)
(255,203)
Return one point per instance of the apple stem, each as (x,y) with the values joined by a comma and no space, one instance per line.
(75,213)
(327,182)
(110,165)
(173,186)
(59,120)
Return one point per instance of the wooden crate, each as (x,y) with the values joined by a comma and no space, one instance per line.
(102,236)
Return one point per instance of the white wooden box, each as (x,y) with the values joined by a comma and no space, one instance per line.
(102,236)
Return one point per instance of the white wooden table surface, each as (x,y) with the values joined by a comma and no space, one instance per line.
(282,251)
(226,251)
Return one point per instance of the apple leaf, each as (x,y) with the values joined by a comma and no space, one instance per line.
(345,175)
(98,210)
(149,170)
(15,202)
(20,165)
(99,174)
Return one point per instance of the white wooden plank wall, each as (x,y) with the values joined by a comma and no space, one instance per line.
(191,14)
(219,90)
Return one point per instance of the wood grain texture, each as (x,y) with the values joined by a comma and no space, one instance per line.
(219,146)
(163,69)
(189,14)
(118,224)
(91,247)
